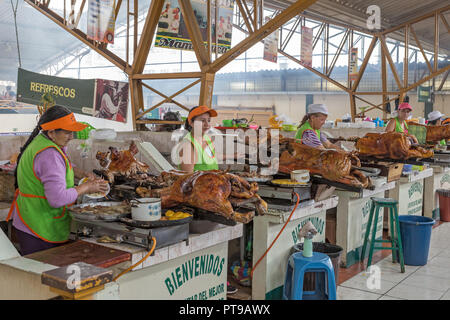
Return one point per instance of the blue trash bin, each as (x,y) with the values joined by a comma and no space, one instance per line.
(416,234)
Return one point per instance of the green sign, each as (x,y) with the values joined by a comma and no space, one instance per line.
(424,94)
(77,95)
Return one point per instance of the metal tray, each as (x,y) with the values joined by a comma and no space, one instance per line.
(90,216)
(154,224)
(293,185)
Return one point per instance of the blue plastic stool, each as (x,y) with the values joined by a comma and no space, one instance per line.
(297,266)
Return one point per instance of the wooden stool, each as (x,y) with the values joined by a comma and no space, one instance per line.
(395,238)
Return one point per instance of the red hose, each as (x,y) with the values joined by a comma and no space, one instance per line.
(276,238)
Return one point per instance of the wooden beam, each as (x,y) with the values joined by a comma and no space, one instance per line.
(391,63)
(338,52)
(431,76)
(175,75)
(194,33)
(167,99)
(436,41)
(148,32)
(206,90)
(443,80)
(319,33)
(260,34)
(406,58)
(365,62)
(108,55)
(352,105)
(377,106)
(421,49)
(116,10)
(244,16)
(383,78)
(170,97)
(137,100)
(445,22)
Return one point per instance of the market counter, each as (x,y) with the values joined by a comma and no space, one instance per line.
(409,192)
(351,221)
(193,269)
(439,180)
(268,277)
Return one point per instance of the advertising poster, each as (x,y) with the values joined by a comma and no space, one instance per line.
(353,64)
(172,32)
(111,100)
(101,20)
(306,53)
(271,45)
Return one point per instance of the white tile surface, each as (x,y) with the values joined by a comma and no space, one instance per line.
(434,271)
(446,296)
(409,292)
(427,282)
(344,293)
(363,281)
(440,261)
(386,297)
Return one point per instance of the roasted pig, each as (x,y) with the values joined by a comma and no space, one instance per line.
(435,133)
(393,145)
(122,163)
(330,164)
(214,191)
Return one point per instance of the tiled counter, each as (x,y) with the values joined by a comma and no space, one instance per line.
(439,180)
(268,277)
(351,221)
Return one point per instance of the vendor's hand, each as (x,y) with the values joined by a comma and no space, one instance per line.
(91,176)
(92,186)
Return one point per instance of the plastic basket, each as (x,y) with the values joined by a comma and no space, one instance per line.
(84,134)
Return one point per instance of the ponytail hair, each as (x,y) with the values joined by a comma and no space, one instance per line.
(51,114)
(305,118)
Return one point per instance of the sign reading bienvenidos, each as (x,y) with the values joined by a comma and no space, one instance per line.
(77,95)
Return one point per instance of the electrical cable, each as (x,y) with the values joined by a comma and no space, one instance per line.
(276,238)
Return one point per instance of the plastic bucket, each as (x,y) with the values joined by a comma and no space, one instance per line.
(415,232)
(444,204)
(331,250)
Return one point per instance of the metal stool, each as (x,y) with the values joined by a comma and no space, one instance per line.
(395,238)
(298,265)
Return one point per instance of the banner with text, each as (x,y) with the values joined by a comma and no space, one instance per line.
(172,31)
(306,49)
(353,64)
(77,95)
(271,45)
(101,20)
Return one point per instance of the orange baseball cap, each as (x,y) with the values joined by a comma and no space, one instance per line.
(201,110)
(67,123)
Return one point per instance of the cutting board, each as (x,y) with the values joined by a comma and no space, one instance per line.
(81,251)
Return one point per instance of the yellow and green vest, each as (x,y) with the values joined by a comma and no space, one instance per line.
(398,126)
(303,128)
(48,223)
(205,162)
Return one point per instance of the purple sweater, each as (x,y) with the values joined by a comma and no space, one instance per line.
(50,168)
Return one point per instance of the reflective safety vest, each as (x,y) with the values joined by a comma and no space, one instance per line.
(47,223)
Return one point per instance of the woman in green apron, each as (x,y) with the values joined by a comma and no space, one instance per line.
(435,118)
(398,124)
(197,149)
(309,130)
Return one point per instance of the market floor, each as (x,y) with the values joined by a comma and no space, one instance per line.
(429,282)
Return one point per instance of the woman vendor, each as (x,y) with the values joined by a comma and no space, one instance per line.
(398,124)
(197,149)
(309,130)
(44,180)
(436,118)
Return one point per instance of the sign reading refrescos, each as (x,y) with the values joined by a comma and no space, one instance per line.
(100,98)
(172,32)
(72,93)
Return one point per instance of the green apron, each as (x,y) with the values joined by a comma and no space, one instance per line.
(205,161)
(47,223)
(303,128)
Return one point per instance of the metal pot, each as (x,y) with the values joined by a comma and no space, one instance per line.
(146,209)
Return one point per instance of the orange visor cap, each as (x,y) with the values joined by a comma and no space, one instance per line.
(67,123)
(201,110)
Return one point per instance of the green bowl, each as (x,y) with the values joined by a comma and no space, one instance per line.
(227,123)
(289,127)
